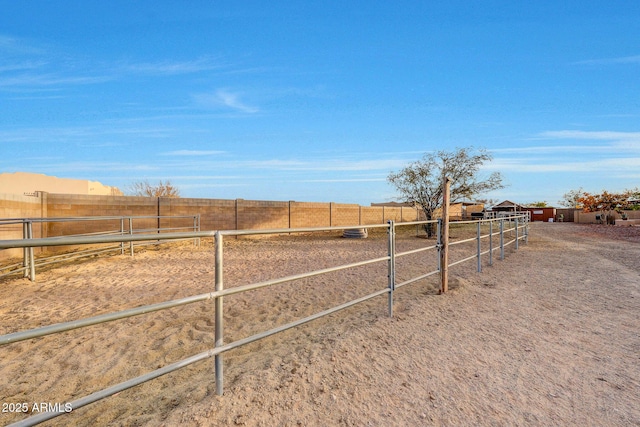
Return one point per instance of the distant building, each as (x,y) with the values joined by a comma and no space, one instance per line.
(507,206)
(535,213)
(395,204)
(545,214)
(457,211)
(29,183)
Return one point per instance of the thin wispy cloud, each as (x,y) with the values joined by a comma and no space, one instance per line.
(536,166)
(214,185)
(43,68)
(341,164)
(50,80)
(21,66)
(549,149)
(35,97)
(296,165)
(614,152)
(193,153)
(93,136)
(526,165)
(18,46)
(224,98)
(346,180)
(70,168)
(592,135)
(608,140)
(208,177)
(191,160)
(232,100)
(175,68)
(634,59)
(27,66)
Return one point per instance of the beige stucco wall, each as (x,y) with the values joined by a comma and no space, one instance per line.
(590,217)
(29,183)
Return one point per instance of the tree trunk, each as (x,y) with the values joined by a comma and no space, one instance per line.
(429,227)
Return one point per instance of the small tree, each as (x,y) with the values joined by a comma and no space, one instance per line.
(634,199)
(570,198)
(421,181)
(607,203)
(542,204)
(162,189)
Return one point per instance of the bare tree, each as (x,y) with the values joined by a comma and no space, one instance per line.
(570,198)
(486,202)
(162,189)
(421,181)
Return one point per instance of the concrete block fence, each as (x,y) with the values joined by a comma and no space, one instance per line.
(215,214)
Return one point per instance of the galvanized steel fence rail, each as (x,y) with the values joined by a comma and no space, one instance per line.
(127,226)
(517,227)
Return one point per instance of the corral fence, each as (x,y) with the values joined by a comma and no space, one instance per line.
(107,225)
(507,231)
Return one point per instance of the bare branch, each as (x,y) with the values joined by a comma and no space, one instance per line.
(421,181)
(162,189)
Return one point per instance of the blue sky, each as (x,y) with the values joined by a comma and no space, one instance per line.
(320,102)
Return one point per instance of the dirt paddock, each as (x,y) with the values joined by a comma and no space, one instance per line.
(548,336)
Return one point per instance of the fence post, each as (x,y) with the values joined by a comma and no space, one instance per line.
(439,242)
(25,251)
(501,238)
(196,227)
(392,263)
(131,234)
(490,242)
(219,312)
(515,221)
(444,259)
(32,261)
(479,248)
(122,234)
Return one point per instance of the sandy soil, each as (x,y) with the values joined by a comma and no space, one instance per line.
(548,336)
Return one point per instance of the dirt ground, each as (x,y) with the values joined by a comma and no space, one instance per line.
(548,336)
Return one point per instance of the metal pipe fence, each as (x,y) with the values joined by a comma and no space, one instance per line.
(518,230)
(520,224)
(126,226)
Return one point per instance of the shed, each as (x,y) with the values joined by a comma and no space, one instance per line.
(461,210)
(507,206)
(542,214)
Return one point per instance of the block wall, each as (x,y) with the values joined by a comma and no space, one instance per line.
(215,214)
(261,215)
(74,205)
(310,214)
(344,214)
(409,214)
(18,206)
(370,215)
